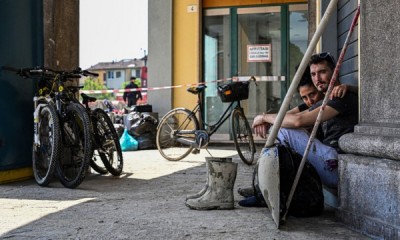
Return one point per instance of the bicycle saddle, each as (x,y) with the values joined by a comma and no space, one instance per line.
(197,90)
(87,98)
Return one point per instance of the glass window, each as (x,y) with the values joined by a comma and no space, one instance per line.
(217,61)
(118,74)
(260,28)
(110,74)
(298,41)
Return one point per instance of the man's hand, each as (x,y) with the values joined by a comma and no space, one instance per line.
(262,130)
(339,91)
(260,126)
(258,120)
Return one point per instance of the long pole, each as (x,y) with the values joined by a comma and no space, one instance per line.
(321,111)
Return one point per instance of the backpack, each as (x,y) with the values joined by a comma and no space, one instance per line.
(308,199)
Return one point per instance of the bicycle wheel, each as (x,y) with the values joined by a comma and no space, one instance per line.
(242,136)
(45,156)
(107,142)
(97,164)
(77,146)
(170,144)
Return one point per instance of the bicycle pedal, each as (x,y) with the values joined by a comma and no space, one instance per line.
(195,151)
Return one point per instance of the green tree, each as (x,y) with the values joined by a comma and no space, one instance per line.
(93,84)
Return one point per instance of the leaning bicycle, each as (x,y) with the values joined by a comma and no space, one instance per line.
(180,133)
(62,142)
(46,138)
(105,140)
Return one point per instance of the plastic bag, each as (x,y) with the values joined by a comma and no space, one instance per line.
(128,143)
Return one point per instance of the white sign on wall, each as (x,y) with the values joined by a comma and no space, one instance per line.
(259,53)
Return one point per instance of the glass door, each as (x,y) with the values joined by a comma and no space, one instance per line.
(260,55)
(266,42)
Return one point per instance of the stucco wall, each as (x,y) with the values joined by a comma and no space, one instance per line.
(160,54)
(186,52)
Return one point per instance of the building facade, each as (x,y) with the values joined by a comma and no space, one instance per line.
(209,41)
(204,41)
(114,74)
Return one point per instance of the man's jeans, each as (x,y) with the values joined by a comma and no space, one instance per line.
(321,156)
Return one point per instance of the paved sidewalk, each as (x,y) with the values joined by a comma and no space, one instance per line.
(147,202)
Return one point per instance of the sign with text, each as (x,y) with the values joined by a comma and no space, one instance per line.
(259,53)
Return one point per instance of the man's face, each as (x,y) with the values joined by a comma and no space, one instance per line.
(321,75)
(309,95)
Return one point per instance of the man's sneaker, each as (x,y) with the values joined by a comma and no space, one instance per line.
(252,202)
(246,192)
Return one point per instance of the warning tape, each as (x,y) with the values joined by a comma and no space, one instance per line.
(239,79)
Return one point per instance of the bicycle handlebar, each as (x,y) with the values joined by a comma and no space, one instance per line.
(27,72)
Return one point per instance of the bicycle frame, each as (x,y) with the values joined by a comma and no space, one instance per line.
(211,128)
(181,131)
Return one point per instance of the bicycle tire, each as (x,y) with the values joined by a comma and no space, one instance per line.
(97,164)
(167,145)
(77,146)
(107,142)
(242,136)
(46,155)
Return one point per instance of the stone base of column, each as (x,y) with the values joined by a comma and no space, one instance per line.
(369,195)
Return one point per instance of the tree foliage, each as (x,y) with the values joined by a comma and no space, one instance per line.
(91,83)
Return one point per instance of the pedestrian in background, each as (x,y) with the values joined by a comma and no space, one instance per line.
(131,97)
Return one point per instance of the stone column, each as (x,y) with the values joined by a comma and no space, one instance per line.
(369,191)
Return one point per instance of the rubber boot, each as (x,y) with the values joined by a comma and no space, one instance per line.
(219,193)
(204,189)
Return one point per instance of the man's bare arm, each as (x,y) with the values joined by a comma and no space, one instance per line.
(297,120)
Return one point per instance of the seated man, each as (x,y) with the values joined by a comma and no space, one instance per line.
(339,117)
(310,95)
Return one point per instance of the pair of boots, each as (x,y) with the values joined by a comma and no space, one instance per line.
(218,192)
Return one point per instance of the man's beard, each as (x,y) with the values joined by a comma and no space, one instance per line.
(322,87)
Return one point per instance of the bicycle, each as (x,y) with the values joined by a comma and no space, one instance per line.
(179,132)
(105,140)
(62,143)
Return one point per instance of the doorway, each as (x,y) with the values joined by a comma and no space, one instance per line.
(264,41)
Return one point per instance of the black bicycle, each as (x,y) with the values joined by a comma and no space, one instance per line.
(105,141)
(62,142)
(179,132)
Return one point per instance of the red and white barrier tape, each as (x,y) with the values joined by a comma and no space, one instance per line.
(241,78)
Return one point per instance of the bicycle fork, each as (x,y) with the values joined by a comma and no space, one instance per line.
(37,107)
(36,118)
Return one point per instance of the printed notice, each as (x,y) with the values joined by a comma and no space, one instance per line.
(259,53)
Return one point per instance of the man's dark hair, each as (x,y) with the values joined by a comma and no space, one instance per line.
(133,78)
(321,57)
(305,79)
